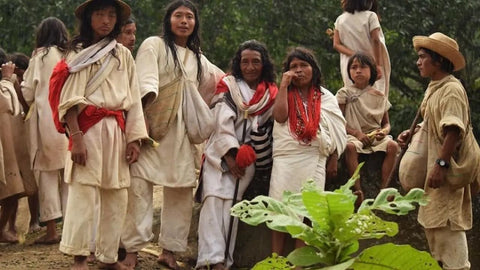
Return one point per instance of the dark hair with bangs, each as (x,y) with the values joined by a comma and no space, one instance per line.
(268,73)
(193,42)
(351,6)
(85,30)
(308,56)
(445,64)
(363,59)
(51,32)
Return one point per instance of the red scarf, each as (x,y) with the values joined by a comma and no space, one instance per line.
(304,123)
(262,87)
(92,115)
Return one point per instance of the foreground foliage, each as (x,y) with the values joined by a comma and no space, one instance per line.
(336,228)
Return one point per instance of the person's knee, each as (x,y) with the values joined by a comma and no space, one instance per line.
(351,150)
(392,148)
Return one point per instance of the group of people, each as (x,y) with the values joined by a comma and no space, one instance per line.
(127,130)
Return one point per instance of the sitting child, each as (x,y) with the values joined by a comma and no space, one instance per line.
(366,112)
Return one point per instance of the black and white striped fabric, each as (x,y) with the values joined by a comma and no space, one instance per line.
(261,141)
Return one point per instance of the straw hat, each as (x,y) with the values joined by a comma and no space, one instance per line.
(125,9)
(443,45)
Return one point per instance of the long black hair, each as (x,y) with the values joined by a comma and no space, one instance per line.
(268,73)
(308,56)
(351,6)
(85,30)
(51,32)
(193,42)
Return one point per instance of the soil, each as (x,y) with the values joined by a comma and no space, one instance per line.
(27,255)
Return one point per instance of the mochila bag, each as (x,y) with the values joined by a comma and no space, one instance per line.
(162,111)
(261,141)
(199,119)
(412,170)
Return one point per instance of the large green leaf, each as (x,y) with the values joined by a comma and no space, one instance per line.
(400,205)
(306,256)
(275,214)
(274,262)
(391,257)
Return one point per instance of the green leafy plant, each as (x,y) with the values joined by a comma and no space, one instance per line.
(336,228)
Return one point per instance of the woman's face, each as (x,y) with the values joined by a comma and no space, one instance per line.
(103,21)
(303,73)
(127,36)
(360,74)
(251,67)
(183,23)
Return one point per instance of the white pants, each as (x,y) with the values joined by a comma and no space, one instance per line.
(175,218)
(52,194)
(80,216)
(213,232)
(449,247)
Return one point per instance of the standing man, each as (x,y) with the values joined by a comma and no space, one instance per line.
(127,34)
(101,108)
(453,154)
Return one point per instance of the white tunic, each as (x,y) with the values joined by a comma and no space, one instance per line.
(172,162)
(354,31)
(48,148)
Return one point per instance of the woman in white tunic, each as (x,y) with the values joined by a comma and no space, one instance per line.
(48,148)
(249,89)
(309,129)
(358,29)
(160,61)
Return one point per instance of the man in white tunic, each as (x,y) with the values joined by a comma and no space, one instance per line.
(100,104)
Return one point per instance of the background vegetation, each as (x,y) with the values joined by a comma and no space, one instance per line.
(285,23)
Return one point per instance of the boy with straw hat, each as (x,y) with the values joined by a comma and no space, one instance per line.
(99,105)
(453,154)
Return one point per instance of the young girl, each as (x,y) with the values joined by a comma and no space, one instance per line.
(47,147)
(366,112)
(358,30)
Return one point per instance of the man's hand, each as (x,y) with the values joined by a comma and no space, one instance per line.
(132,152)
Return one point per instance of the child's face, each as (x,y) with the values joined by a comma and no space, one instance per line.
(360,74)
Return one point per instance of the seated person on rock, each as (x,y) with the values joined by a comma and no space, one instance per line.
(366,112)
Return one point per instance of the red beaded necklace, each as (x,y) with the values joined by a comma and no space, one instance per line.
(304,122)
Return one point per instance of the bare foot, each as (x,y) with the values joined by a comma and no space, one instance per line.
(35,227)
(168,259)
(79,263)
(8,237)
(91,258)
(114,266)
(131,259)
(48,240)
(219,266)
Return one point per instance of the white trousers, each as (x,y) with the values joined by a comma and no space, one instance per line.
(213,232)
(449,247)
(175,218)
(52,194)
(80,216)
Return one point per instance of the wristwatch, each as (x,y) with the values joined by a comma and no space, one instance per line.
(442,163)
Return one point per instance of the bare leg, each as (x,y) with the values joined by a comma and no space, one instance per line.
(389,162)
(79,263)
(9,206)
(351,160)
(33,205)
(13,218)
(168,259)
(278,242)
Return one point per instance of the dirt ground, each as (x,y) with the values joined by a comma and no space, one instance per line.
(27,255)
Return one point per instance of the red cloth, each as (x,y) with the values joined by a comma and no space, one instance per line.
(245,156)
(92,115)
(304,127)
(57,80)
(262,87)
